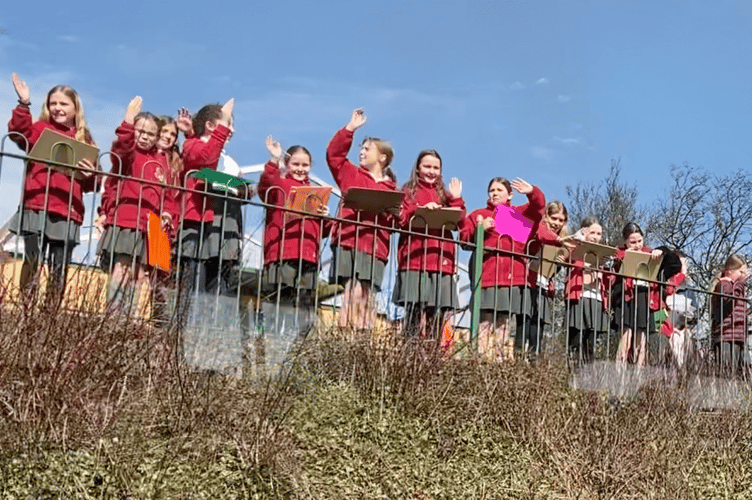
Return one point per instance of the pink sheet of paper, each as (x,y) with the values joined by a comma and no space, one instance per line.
(509,221)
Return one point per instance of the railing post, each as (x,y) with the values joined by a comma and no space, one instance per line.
(477,271)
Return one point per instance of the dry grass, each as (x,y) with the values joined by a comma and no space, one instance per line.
(98,407)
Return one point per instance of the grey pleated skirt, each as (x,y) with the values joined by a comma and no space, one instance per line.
(348,264)
(287,275)
(52,226)
(122,241)
(543,307)
(220,238)
(509,300)
(636,313)
(429,289)
(587,314)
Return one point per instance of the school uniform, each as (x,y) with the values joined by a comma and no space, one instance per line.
(52,210)
(52,204)
(127,201)
(426,266)
(587,306)
(543,292)
(506,278)
(635,300)
(292,248)
(201,219)
(359,252)
(729,320)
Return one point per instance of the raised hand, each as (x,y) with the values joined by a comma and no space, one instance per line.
(275,150)
(134,108)
(455,188)
(487,223)
(357,120)
(521,186)
(227,113)
(184,122)
(22,90)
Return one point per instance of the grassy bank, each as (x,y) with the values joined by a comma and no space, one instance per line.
(89,410)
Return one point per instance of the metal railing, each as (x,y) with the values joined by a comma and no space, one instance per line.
(524,319)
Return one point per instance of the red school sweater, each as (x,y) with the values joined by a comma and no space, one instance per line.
(418,252)
(301,240)
(198,155)
(39,177)
(729,311)
(500,268)
(127,202)
(347,175)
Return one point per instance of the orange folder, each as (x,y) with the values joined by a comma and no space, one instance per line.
(159,244)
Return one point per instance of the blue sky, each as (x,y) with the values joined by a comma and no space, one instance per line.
(548,91)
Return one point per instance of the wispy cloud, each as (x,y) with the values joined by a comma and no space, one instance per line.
(517,86)
(564,98)
(568,140)
(68,38)
(542,81)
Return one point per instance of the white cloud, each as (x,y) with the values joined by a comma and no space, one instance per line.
(564,98)
(68,38)
(542,81)
(517,86)
(568,140)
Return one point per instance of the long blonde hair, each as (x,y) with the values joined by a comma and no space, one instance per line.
(557,207)
(82,131)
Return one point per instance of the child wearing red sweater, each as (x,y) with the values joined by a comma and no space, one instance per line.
(360,252)
(552,231)
(506,278)
(729,313)
(127,201)
(426,283)
(52,210)
(211,229)
(586,292)
(635,304)
(291,248)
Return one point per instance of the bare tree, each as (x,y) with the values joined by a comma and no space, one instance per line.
(706,216)
(612,201)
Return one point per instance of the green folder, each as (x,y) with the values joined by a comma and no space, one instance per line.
(221,180)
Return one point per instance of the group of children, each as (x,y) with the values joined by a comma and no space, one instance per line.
(151,177)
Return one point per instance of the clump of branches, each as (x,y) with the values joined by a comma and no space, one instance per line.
(612,200)
(707,216)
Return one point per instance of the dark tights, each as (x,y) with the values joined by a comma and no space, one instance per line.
(56,254)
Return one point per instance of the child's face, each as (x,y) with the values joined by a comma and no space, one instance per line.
(635,241)
(735,274)
(555,222)
(498,193)
(147,133)
(370,156)
(167,137)
(594,233)
(429,169)
(62,109)
(299,166)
